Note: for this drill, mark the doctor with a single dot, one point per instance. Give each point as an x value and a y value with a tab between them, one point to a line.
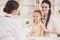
50	21
10	25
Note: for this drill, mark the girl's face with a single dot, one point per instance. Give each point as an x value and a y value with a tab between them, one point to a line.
36	17
45	8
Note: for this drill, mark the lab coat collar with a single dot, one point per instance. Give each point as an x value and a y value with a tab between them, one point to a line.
11	16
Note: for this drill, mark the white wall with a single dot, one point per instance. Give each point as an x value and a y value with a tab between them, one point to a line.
27	6
57	6
2	4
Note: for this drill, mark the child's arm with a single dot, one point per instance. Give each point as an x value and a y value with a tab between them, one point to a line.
41	32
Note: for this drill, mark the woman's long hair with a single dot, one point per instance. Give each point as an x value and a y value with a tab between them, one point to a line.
49	13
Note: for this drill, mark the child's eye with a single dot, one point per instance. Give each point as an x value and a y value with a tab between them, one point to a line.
42	6
45	7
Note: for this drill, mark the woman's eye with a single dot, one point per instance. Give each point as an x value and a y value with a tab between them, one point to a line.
36	16
33	16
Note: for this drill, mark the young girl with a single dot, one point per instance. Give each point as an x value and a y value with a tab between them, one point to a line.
38	27
37	23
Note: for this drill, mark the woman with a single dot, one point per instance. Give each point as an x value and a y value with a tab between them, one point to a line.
10	25
46	8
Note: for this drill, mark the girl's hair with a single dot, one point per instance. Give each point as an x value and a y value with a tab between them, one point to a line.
49	13
10	6
38	11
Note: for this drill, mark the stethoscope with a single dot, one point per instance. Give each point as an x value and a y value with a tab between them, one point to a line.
7	16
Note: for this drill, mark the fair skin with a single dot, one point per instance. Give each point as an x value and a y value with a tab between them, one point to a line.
48	31
14	12
37	21
36	17
45	9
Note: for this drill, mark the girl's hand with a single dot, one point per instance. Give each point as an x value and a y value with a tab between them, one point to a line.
30	33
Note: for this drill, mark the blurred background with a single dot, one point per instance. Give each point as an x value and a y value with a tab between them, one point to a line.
28	6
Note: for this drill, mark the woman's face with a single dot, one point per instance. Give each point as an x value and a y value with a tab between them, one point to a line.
36	17
15	12
45	8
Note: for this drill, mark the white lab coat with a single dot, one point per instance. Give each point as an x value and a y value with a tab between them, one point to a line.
11	28
54	24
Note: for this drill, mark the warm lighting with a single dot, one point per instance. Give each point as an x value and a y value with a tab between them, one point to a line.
18	1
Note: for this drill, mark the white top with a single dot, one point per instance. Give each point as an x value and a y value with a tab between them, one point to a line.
54	24
11	28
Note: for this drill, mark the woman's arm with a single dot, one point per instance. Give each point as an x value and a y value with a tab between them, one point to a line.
48	31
